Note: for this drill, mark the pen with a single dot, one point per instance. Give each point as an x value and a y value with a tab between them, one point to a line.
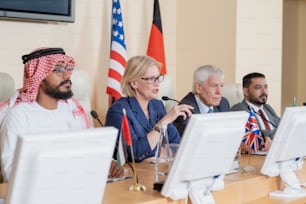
110	180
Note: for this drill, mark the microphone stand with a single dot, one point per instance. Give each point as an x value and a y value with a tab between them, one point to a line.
95	115
166	98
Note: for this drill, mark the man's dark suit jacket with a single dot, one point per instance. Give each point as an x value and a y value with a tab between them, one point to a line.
272	116
189	99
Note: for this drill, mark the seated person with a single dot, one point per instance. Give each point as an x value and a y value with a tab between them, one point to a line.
255	91
146	114
44	104
206	95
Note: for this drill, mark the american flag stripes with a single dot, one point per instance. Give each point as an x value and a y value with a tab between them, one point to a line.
118	55
252	136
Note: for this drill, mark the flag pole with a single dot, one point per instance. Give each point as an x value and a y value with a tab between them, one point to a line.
252	139
127	135
136	186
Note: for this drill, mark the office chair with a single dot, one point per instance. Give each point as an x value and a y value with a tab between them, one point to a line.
7	86
166	88
81	89
233	92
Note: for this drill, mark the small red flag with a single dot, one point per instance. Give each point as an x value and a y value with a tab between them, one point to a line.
126	129
156	41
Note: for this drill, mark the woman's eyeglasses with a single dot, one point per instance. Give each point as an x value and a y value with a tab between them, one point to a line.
153	80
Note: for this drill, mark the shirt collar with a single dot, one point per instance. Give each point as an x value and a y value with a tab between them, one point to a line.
252	106
203	108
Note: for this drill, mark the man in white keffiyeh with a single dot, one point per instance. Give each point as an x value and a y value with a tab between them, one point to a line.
43	104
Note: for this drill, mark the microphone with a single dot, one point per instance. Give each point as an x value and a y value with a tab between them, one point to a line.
166	98
250	108
95	115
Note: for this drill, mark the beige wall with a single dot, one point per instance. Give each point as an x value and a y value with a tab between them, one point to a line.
196	32
206	34
294	61
88	40
240	36
259	43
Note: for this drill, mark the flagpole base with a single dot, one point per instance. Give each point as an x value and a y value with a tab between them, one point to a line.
138	187
159	185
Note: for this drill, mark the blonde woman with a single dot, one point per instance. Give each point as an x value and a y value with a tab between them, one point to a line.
146	114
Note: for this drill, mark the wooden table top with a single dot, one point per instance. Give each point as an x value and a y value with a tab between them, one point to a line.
118	192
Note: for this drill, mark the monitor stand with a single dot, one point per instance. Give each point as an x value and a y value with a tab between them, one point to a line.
198	197
200	190
292	186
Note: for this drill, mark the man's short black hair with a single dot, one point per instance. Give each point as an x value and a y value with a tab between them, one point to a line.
247	79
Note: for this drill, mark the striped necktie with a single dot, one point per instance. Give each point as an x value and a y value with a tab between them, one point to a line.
264	119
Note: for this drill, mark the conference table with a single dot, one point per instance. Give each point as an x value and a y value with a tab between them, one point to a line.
240	187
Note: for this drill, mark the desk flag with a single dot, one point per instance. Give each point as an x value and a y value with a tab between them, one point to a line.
118	55
121	154
126	129
128	139
124	141
252	136
294	102
156	48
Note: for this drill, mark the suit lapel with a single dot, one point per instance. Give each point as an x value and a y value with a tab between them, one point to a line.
271	116
139	114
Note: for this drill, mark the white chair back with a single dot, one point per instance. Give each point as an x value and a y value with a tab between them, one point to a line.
7	86
166	88
233	92
81	84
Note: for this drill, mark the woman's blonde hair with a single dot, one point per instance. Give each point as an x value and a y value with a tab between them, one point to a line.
136	68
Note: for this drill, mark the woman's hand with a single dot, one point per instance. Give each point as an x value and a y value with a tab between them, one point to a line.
183	110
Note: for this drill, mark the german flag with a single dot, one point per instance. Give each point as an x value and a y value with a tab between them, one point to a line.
156	41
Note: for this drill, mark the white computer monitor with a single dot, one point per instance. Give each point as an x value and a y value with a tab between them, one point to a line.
62	167
207	150
287	151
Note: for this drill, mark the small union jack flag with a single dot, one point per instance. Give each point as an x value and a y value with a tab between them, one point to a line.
252	136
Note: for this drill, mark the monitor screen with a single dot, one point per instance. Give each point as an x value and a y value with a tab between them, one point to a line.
208	147
288	142
53	10
62	167
286	153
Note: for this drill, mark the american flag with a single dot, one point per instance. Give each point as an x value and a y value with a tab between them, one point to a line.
118	55
252	136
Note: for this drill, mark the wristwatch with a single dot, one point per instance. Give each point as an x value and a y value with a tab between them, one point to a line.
156	128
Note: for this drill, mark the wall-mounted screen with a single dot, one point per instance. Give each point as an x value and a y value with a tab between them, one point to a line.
49	10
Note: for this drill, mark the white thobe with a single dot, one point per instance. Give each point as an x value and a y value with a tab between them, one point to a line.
26	118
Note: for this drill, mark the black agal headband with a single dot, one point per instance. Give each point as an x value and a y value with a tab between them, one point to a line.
40	53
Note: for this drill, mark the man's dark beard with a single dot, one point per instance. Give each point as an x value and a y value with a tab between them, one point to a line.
56	93
257	102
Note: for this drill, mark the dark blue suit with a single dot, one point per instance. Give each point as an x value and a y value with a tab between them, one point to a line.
189	99
139	125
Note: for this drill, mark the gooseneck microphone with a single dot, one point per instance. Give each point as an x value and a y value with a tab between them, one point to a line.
95	115
250	108
166	98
